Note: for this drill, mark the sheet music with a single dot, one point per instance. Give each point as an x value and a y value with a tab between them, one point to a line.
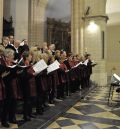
22	43
5	74
23	66
15	61
12	66
57	62
67	71
19	61
39	66
93	63
85	62
54	66
78	64
116	77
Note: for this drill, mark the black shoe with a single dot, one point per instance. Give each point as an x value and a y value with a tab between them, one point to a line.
46	106
39	112
32	116
13	121
51	102
5	124
27	118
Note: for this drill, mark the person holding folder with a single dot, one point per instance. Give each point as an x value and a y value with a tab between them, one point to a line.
9	103
23	79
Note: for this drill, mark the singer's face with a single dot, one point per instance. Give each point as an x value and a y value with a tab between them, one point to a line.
30	57
70	58
11	38
10	59
88	57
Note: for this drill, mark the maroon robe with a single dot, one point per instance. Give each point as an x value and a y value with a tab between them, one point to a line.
62	74
32	87
2	87
53	79
2	92
43	80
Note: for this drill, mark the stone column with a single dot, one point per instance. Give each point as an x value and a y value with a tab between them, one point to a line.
36	21
6	9
77	24
1	20
18	9
21	19
95	37
90	37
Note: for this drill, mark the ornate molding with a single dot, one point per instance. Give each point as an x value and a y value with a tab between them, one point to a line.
96	17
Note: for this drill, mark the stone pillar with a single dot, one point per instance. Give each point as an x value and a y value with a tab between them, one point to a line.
77	24
21	19
90	37
36	21
95	37
18	9
6	9
1	20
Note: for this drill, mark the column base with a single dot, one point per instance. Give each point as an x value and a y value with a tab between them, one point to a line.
100	78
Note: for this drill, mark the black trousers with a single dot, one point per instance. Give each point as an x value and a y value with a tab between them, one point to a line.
51	94
61	90
40	95
1	105
27	106
83	82
9	103
9	109
88	81
26	94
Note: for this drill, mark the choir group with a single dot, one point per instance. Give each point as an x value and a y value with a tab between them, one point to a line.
42	73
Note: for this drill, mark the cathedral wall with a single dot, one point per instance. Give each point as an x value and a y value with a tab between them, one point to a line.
21	19
95	38
18	9
113	50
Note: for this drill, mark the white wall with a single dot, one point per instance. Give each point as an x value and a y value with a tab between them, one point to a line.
93	39
113	49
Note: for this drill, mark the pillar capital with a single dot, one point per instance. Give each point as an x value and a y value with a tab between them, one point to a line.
95	17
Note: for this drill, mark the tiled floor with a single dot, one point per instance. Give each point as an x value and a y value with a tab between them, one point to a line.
91	113
12	126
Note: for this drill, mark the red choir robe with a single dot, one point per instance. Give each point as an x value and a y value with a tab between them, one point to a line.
2	92
2	69
62	74
72	71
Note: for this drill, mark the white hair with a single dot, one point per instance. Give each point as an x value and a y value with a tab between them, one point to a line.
9	53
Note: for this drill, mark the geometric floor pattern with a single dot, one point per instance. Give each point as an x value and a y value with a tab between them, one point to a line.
91	113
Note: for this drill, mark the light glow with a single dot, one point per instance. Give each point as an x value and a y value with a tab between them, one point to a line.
92	27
